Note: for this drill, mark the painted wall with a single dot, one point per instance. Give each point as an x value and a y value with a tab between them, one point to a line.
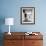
11	8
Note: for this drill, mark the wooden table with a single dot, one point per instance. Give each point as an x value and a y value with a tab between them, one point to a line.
20	39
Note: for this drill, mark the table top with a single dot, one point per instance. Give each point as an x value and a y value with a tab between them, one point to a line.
22	35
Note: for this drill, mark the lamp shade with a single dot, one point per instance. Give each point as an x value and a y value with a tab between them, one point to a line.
9	21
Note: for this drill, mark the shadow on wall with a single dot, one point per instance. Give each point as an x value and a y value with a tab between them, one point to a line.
2	21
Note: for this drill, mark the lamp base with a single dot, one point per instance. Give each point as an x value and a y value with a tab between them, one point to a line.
9	33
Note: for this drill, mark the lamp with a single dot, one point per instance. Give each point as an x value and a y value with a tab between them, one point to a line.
9	21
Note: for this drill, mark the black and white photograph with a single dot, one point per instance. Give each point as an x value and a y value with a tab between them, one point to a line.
27	15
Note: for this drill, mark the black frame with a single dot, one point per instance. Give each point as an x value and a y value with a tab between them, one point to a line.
21	15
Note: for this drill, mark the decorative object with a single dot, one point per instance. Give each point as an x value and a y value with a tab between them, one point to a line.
30	33
27	15
9	21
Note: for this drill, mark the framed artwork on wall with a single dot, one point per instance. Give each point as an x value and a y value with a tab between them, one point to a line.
27	15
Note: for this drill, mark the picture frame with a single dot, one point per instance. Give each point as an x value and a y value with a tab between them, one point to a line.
27	15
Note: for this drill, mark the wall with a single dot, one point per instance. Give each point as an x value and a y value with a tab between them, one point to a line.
11	8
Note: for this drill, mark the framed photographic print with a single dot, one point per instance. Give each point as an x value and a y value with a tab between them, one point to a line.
27	15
